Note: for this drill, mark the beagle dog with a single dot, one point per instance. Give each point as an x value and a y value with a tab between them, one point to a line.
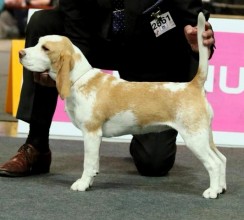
101	105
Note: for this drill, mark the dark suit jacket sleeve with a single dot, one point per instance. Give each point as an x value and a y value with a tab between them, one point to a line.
77	20
189	10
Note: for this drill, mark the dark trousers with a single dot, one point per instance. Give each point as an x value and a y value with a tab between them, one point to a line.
37	103
153	154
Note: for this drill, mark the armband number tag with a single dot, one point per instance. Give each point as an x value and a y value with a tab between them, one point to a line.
162	23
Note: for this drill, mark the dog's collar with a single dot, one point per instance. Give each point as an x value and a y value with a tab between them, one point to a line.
80	76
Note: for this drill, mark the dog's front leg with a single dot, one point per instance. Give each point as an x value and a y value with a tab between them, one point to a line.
92	143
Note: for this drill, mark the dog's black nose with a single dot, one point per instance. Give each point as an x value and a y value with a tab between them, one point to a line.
21	54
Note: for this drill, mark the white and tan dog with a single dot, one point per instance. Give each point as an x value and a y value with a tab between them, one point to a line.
101	105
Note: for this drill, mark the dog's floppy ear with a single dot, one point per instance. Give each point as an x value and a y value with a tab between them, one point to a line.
66	64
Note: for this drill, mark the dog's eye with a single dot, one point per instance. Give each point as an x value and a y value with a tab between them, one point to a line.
45	48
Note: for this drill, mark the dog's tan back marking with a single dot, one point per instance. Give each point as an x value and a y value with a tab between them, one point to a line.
113	97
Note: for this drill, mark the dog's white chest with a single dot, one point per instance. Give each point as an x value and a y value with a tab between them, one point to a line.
79	108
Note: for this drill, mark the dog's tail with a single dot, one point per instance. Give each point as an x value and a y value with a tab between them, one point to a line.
202	72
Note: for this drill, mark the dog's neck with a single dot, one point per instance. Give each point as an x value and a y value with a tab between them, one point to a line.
81	67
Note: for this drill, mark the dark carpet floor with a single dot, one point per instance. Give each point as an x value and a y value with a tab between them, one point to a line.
118	191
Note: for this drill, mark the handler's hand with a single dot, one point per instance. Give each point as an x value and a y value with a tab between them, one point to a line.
44	79
40	2
191	36
14	3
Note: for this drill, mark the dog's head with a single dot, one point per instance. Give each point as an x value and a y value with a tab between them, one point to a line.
54	54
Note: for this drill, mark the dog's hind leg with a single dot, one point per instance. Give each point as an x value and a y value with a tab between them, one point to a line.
198	142
92	143
222	165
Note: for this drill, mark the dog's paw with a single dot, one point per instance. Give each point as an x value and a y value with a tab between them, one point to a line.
210	193
80	185
222	189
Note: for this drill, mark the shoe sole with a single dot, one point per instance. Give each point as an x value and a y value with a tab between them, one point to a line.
9	174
